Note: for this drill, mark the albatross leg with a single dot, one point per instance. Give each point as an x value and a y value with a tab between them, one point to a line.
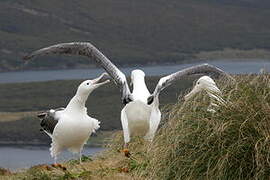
126	150
80	154
55	165
55	159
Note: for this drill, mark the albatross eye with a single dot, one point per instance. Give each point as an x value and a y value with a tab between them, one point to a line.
87	83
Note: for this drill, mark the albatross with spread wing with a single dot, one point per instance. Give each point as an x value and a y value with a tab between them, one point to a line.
141	114
70	127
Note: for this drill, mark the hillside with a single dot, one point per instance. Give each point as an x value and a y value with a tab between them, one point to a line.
193	143
131	32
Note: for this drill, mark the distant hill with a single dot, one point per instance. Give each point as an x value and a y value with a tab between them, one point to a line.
130	32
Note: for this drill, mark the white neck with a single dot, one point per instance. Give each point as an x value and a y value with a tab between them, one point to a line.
155	103
140	91
77	103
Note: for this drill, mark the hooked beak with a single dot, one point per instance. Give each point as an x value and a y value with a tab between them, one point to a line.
211	90
214	89
215	93
104	78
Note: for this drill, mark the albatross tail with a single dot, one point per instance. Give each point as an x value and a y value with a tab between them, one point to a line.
55	150
95	124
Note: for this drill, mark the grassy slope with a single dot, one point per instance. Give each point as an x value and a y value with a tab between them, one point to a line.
103	104
232	143
130	32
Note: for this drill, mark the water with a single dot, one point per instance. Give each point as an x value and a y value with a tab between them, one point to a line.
230	66
17	157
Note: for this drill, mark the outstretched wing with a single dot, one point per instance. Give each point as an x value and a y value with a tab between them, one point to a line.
88	50
204	69
49	120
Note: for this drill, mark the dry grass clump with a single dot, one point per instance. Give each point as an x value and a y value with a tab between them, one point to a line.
138	159
233	143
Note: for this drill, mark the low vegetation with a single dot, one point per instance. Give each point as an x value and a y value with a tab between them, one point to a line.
232	143
192	143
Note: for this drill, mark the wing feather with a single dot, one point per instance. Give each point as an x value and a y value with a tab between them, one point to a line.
49	120
90	51
203	69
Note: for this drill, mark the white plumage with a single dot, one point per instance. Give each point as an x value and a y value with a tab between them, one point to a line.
72	126
137	117
205	83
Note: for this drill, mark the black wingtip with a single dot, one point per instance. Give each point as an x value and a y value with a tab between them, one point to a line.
27	57
41	115
127	100
150	100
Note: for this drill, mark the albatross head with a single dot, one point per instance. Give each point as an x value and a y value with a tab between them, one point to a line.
87	86
204	83
136	74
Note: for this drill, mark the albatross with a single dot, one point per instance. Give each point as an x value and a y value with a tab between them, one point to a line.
70	127
207	84
140	114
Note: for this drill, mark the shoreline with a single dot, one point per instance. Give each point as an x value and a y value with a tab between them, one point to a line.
221	55
34	144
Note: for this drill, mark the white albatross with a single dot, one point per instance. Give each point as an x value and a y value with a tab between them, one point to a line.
205	83
141	114
70	127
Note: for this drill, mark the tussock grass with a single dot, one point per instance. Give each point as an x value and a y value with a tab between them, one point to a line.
232	143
